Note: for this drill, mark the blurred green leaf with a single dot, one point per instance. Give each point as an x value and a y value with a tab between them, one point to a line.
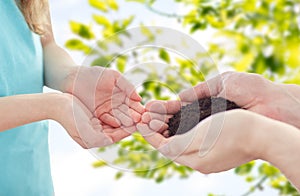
113	4
99	164
147	32
99	4
118	175
121	63
164	55
103	61
82	30
76	44
127	21
138	1
101	20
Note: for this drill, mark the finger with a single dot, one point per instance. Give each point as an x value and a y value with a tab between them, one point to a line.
158	141
96	123
103	108
172	147
155	139
129	112
136	117
128	88
130	129
117	99
148	116
158	126
164	107
109	129
110	120
166	133
92	139
101	140
202	90
136	105
123	118
117	134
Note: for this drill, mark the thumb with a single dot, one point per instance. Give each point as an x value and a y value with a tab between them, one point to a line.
124	85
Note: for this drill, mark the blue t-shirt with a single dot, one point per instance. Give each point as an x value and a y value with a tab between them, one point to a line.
24	153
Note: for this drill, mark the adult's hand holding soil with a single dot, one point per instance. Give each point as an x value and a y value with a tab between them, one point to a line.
252	92
174	120
233	145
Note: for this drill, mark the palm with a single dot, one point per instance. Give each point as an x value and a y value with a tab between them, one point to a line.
110	97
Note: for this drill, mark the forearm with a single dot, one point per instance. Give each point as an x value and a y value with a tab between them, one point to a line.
283	150
58	67
23	109
57	62
288	104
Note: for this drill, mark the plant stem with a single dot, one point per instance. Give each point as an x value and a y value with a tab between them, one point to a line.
173	15
258	185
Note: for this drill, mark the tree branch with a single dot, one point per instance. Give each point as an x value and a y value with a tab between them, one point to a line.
257	186
173	15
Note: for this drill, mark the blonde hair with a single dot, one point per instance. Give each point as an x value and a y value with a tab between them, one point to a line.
35	13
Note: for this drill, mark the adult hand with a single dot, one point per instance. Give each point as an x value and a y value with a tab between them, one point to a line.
222	142
216	144
249	91
252	92
109	96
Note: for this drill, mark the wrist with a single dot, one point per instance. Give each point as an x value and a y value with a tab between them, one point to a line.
259	142
69	81
59	103
283	151
250	139
289	104
274	139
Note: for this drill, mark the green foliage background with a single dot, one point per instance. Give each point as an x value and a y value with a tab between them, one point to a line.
259	36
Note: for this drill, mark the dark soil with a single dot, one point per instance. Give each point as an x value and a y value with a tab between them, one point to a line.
190	115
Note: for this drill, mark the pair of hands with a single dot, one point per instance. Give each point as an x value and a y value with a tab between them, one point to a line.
225	140
110	110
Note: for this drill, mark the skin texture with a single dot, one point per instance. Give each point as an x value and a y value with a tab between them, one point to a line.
222	141
249	91
252	92
107	95
98	106
218	143
64	109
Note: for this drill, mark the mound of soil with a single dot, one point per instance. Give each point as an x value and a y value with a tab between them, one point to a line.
190	115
